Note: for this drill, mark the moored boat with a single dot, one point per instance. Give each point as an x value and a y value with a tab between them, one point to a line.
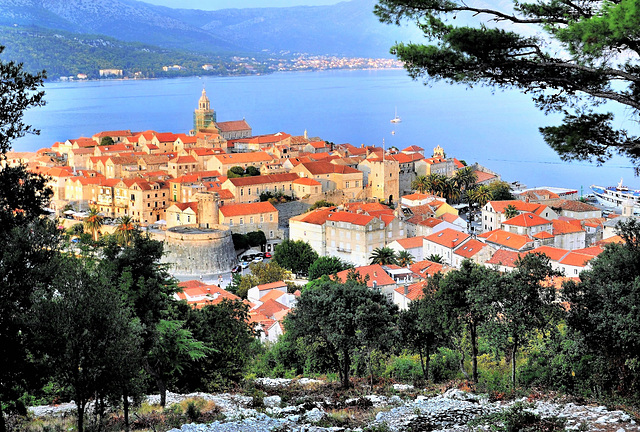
617	196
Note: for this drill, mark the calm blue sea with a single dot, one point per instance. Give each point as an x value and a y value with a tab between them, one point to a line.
497	129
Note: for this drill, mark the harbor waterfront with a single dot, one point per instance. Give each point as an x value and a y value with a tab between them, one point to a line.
497	129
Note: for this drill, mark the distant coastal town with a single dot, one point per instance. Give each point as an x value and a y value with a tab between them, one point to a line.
221	197
241	66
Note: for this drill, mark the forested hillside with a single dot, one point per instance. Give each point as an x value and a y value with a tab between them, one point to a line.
63	53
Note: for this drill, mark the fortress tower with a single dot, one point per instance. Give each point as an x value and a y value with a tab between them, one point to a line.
204	117
208	213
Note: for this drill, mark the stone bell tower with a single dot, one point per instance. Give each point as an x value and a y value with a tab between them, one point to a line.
203	117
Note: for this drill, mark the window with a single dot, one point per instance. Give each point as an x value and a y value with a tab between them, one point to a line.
389	234
346	184
357	236
241	221
188	218
250	219
230	222
271	234
241	191
249	191
261	218
333	243
271	217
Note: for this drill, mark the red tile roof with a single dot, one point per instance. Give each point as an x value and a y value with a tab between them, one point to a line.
576	259
315	217
321	167
554	254
306	181
562	227
230	210
376	274
231	126
239	158
411	242
272	285
526	220
352	218
416	291
504	258
448	238
470	248
506	239
426	267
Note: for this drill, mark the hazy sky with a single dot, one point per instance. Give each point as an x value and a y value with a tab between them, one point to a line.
228	4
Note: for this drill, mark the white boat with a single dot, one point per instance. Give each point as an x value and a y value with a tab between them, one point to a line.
617	196
396	119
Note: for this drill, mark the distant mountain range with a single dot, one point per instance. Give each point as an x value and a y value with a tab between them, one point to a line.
345	29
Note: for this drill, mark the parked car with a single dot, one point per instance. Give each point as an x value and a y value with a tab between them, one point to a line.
267	254
236	269
244	264
258	259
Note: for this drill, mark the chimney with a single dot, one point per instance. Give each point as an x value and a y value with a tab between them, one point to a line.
406	290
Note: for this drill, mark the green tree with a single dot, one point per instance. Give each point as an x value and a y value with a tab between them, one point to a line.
295	255
261	273
327	265
421	184
465	178
321	203
571	57
466	294
224	329
28	243
500	191
423	326
510	211
125	230
19	92
479	195
257	238
340	318
106	141
604	309
80	329
148	290
251	171
234	172
435	258
404	258
93	223
240	241
522	304
384	255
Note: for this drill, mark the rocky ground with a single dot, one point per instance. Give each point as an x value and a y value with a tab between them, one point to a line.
404	411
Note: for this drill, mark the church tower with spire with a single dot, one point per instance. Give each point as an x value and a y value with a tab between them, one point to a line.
203	117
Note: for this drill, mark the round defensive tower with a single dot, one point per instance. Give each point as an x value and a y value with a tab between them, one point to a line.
202	249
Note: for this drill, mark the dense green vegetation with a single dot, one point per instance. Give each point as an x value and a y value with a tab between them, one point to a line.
64	54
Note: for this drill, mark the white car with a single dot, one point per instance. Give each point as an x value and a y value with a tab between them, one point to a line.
258	259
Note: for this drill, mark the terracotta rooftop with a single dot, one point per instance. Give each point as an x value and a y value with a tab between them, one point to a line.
411	242
504	258
376	274
506	239
526	220
448	238
416	291
232	126
321	167
230	210
470	248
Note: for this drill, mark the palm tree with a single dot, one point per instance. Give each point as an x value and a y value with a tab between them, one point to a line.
480	195
465	177
405	258
421	184
435	258
510	211
452	190
383	256
125	229
93	223
438	184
